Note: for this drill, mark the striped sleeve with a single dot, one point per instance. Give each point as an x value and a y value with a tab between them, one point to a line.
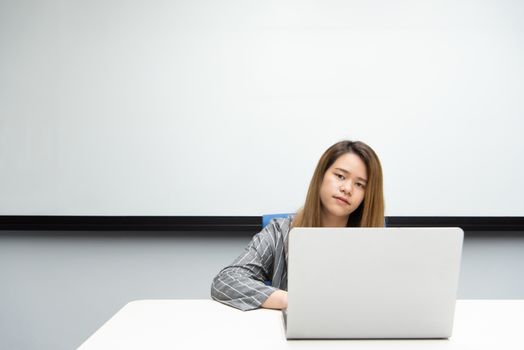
241	284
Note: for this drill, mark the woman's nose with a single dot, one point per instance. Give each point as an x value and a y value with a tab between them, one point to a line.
347	187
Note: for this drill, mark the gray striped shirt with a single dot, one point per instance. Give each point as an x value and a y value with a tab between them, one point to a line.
241	284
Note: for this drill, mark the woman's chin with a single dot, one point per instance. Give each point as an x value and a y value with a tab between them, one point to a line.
339	212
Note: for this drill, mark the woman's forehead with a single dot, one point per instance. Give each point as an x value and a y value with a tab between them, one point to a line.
351	163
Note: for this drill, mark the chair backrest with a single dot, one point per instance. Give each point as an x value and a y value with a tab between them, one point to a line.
267	218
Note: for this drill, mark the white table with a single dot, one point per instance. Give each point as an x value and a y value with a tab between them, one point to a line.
206	324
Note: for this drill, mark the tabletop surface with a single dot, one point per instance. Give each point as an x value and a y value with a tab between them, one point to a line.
200	324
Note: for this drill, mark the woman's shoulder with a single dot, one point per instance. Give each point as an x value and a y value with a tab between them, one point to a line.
279	227
281	223
277	230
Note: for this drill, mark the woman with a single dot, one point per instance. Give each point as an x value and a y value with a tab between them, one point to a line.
345	191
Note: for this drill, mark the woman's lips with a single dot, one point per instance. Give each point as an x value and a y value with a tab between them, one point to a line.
341	200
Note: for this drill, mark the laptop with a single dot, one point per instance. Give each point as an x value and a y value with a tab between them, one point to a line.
369	283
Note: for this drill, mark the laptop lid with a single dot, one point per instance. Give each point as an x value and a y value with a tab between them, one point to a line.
372	282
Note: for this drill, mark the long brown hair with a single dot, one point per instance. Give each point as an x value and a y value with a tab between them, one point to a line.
370	213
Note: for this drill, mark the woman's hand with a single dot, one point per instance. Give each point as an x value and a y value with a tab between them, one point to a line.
277	300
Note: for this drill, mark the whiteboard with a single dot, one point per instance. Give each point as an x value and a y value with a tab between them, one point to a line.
224	107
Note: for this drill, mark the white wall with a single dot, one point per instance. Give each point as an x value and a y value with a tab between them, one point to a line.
223	107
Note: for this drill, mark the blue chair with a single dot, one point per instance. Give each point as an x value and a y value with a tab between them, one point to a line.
267	218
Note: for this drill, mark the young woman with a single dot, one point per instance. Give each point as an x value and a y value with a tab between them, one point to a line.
346	190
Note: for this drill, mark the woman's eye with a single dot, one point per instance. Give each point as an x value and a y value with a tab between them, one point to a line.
341	177
361	185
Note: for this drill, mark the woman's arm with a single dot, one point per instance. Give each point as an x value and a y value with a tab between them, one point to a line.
277	300
241	284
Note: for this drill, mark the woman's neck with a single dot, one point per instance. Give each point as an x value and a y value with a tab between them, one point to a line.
333	221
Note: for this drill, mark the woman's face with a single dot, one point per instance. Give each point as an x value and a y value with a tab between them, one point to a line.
342	189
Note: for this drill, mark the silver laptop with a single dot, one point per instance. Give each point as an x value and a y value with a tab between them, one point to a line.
372	282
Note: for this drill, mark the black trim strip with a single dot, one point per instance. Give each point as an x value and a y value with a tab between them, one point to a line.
230	223
131	223
467	223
